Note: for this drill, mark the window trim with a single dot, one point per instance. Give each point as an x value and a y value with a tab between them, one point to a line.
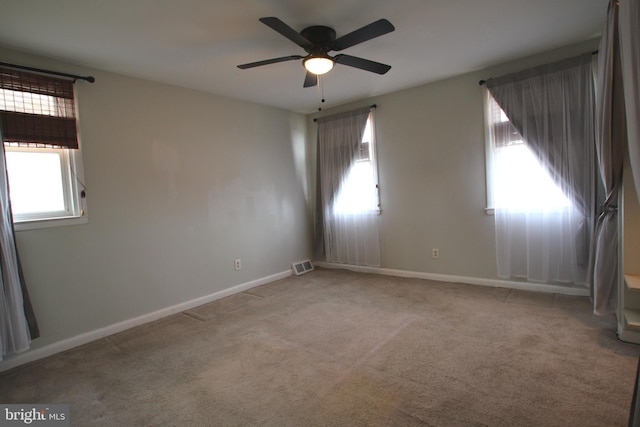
373	158
488	154
492	124
50	223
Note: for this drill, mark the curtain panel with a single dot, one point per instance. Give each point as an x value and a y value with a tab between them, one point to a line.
618	128
340	236
552	110
338	138
18	324
629	34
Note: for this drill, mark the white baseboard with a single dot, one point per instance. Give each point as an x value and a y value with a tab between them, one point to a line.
527	286
626	333
69	343
629	336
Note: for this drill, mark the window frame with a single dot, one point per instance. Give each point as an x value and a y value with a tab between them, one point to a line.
40	128
372	159
72	190
488	152
490	124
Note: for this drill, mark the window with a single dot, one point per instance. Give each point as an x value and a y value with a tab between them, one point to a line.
359	191
515	178
41	149
541	177
347	194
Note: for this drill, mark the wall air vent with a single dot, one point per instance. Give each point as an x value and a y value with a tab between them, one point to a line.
301	267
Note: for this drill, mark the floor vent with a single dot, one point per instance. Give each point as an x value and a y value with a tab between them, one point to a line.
301	267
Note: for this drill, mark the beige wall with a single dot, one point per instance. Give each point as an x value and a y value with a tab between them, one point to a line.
432	172
179	184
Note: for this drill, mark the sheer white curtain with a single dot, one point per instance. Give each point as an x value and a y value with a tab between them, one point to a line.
544	181
347	191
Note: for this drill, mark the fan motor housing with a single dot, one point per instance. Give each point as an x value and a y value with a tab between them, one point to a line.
321	38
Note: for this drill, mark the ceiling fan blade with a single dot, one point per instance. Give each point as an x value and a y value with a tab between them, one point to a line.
269	61
363	64
279	26
310	80
368	32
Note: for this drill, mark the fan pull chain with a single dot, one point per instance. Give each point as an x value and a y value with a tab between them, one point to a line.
320	91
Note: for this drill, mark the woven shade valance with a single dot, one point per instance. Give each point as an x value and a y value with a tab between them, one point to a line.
36	110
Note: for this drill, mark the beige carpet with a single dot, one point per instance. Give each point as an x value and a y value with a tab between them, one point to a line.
336	348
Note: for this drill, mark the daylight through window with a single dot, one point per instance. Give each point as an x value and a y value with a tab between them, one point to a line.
358	192
516	179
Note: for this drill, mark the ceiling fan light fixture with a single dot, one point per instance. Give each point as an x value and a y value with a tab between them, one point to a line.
318	64
318	40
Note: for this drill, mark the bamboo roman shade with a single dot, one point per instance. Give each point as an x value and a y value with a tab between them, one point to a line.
37	111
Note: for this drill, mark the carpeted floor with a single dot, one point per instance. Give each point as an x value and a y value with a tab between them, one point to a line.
336	348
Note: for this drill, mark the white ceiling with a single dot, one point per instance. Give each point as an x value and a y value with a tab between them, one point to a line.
197	44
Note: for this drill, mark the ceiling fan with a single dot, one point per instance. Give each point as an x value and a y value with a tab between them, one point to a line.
319	40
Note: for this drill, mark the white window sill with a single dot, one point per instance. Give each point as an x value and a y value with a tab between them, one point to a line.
50	223
489	211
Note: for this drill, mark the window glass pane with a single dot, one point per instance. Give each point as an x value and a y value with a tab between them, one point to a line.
358	192
366	135
36	181
519	181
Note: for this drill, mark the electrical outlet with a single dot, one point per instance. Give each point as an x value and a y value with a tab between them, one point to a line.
237	264
435	253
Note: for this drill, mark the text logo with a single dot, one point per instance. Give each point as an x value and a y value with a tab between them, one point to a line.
40	415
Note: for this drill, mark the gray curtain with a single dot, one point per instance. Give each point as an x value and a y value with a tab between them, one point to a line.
610	142
339	137
18	325
629	36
